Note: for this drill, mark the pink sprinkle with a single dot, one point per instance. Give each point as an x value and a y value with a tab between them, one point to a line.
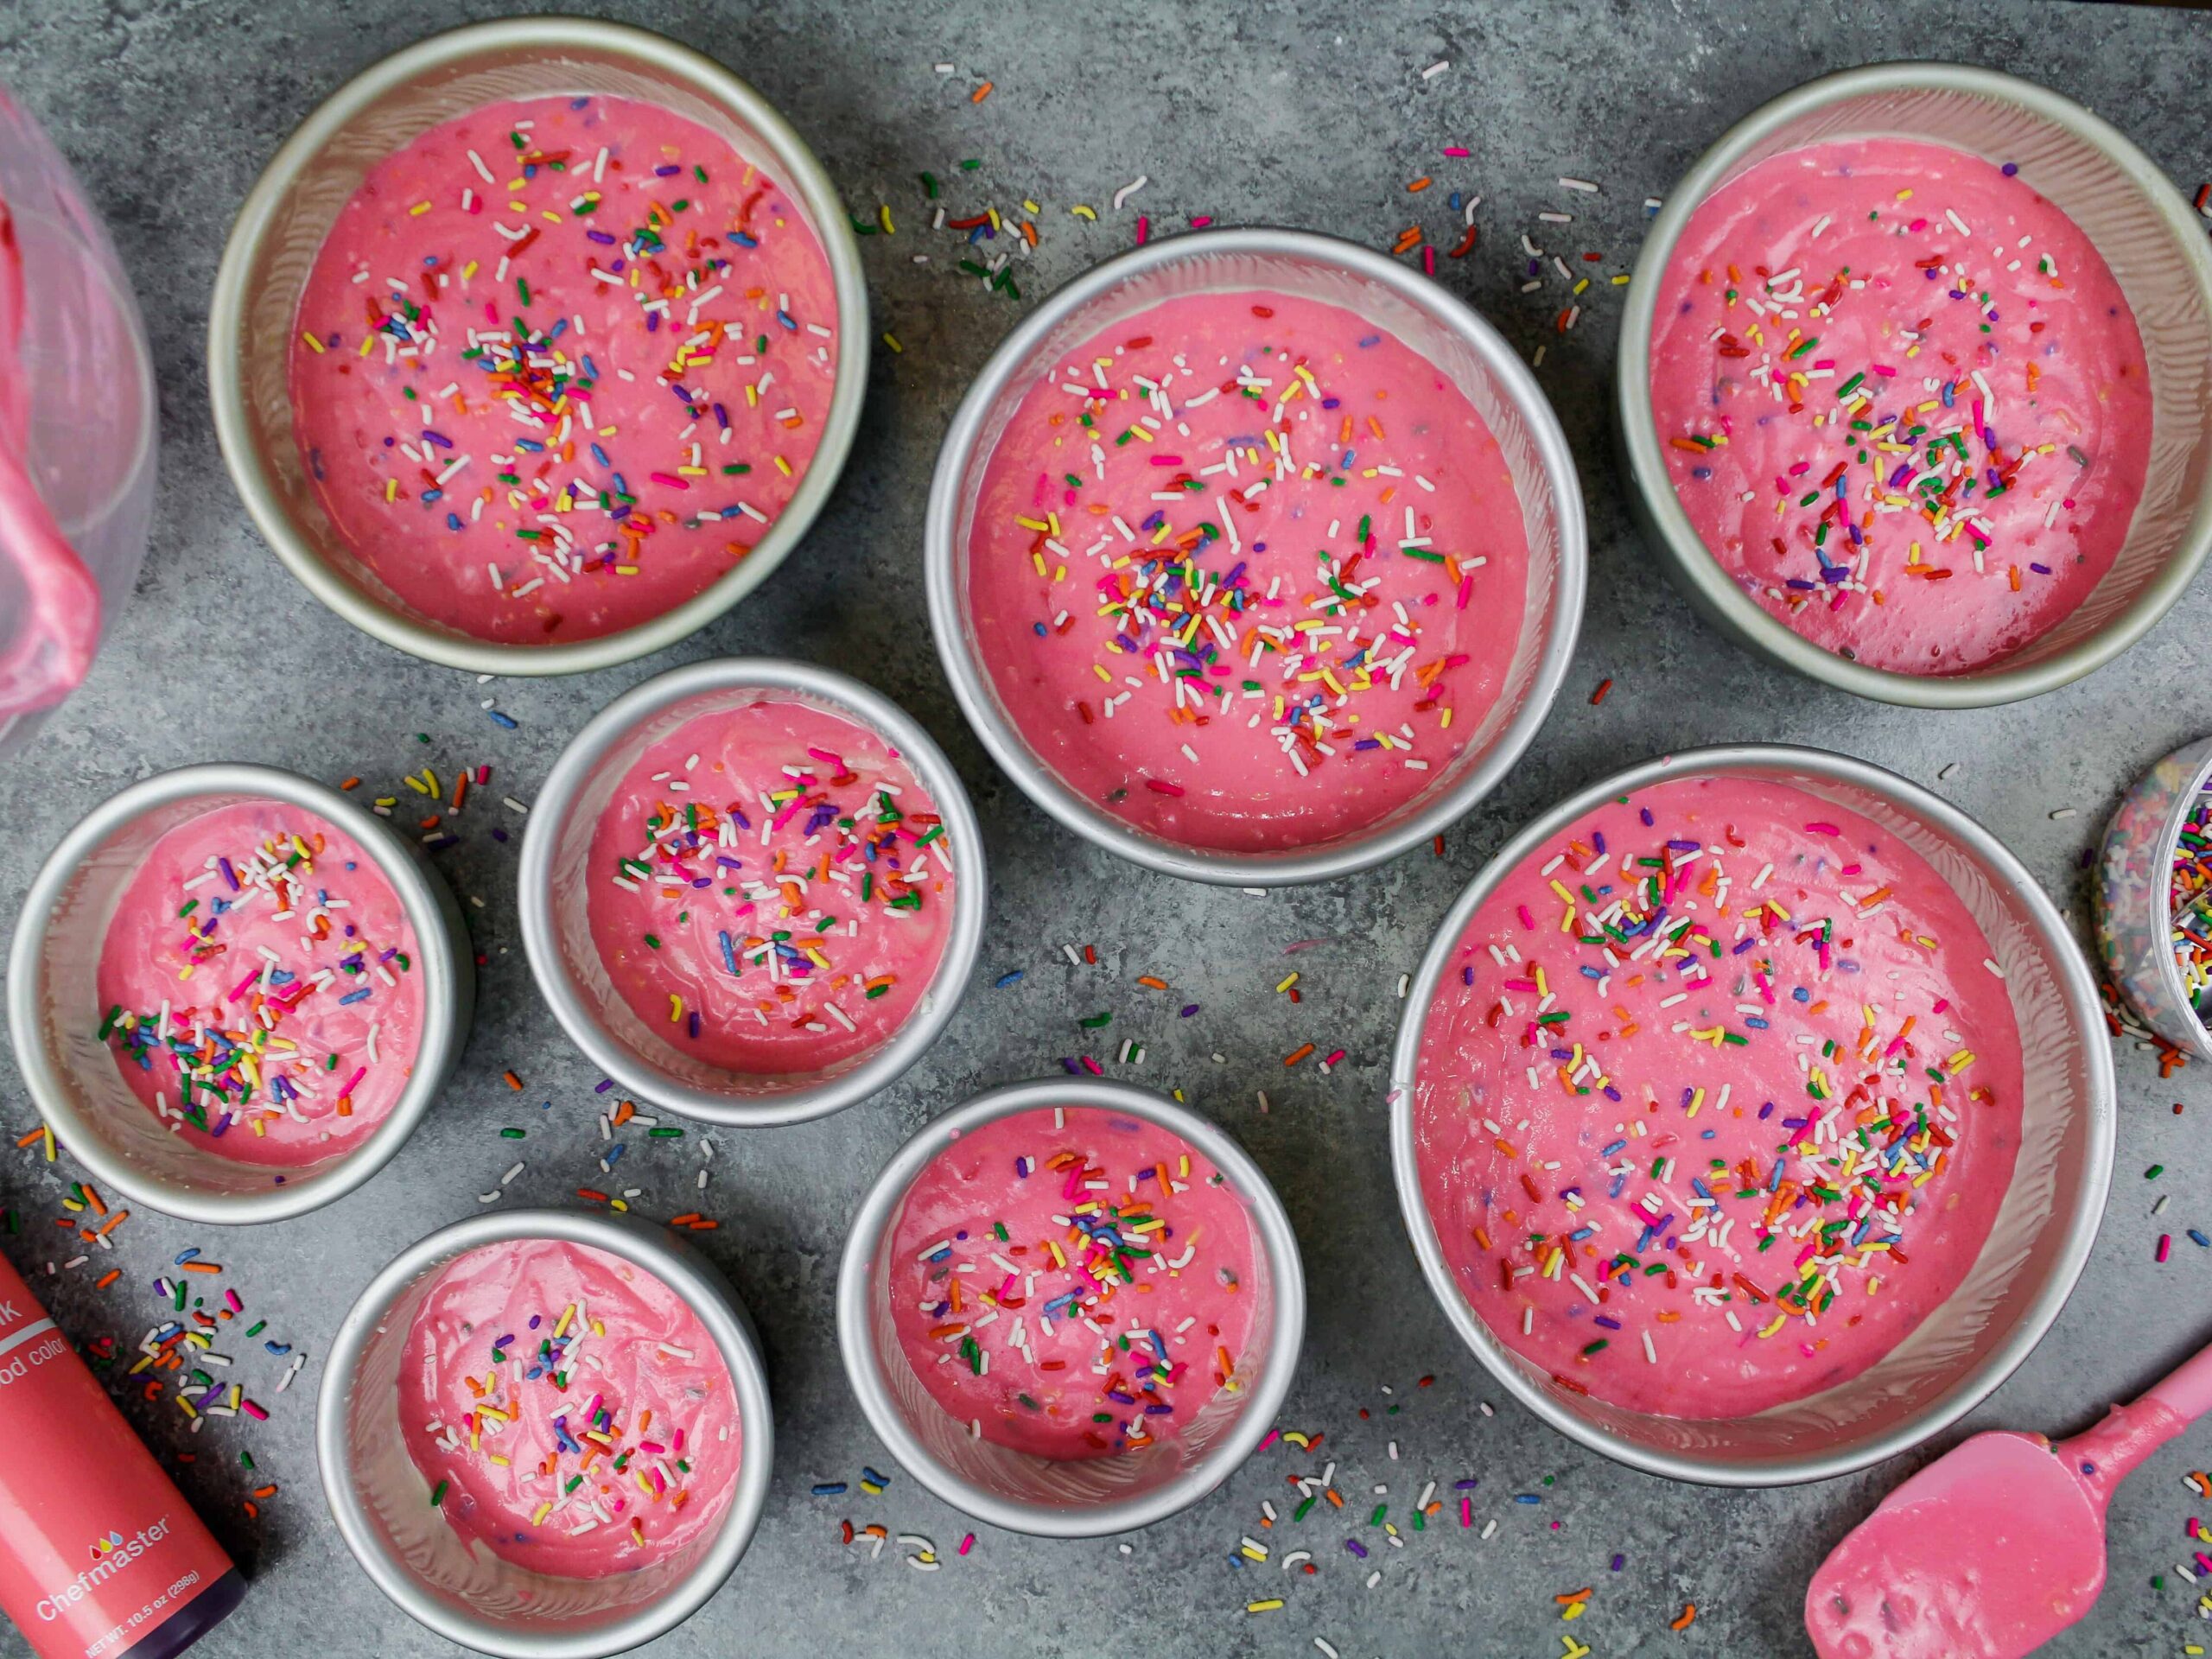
1199	222
668	479
1466	1512
1144	230
1823	830
1527	922
828	759
1093	1067
1466	591
1428	259
1158	787
1457	150
967	1544
253	1411
1334	1058
2165	1243
231	1300
359	1071
239	989
1274	1434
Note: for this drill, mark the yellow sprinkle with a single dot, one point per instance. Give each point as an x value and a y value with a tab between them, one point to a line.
1267	1606
891	340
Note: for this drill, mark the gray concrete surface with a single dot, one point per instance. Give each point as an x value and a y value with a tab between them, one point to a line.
1311	114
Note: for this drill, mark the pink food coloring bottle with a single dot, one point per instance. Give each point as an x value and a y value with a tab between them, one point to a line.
100	1556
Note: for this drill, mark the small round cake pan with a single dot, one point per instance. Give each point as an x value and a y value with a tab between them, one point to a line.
54	1011
556	912
1428	320
2155	246
2135	895
297	199
382	1503
2037	1246
1089	1497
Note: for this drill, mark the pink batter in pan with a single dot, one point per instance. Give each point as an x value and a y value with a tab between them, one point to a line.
1905	404
560	363
1247	571
771	888
1719	1099
570	1412
1074	1281
257	986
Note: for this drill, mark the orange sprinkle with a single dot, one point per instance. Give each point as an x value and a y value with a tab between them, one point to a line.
109	1277
201	1267
981	93
513	1082
1156	984
1688	1617
1294	1059
1420	184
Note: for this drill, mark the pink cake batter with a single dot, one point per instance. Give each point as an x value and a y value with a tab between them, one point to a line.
569	1411
257	986
1677	1098
1247	571
560	364
1904	402
1075	1281
772	889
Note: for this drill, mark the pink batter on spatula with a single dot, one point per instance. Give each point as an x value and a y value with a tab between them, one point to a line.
1718	1100
569	1411
772	889
258	986
1247	571
1999	1545
560	363
1074	1281
1903	401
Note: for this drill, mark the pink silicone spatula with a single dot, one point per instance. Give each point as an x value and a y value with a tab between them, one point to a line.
1991	1551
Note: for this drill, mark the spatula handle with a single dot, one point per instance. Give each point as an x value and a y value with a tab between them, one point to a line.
2187	1392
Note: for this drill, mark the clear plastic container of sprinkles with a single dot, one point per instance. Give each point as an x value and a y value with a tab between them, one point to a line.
2154	899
